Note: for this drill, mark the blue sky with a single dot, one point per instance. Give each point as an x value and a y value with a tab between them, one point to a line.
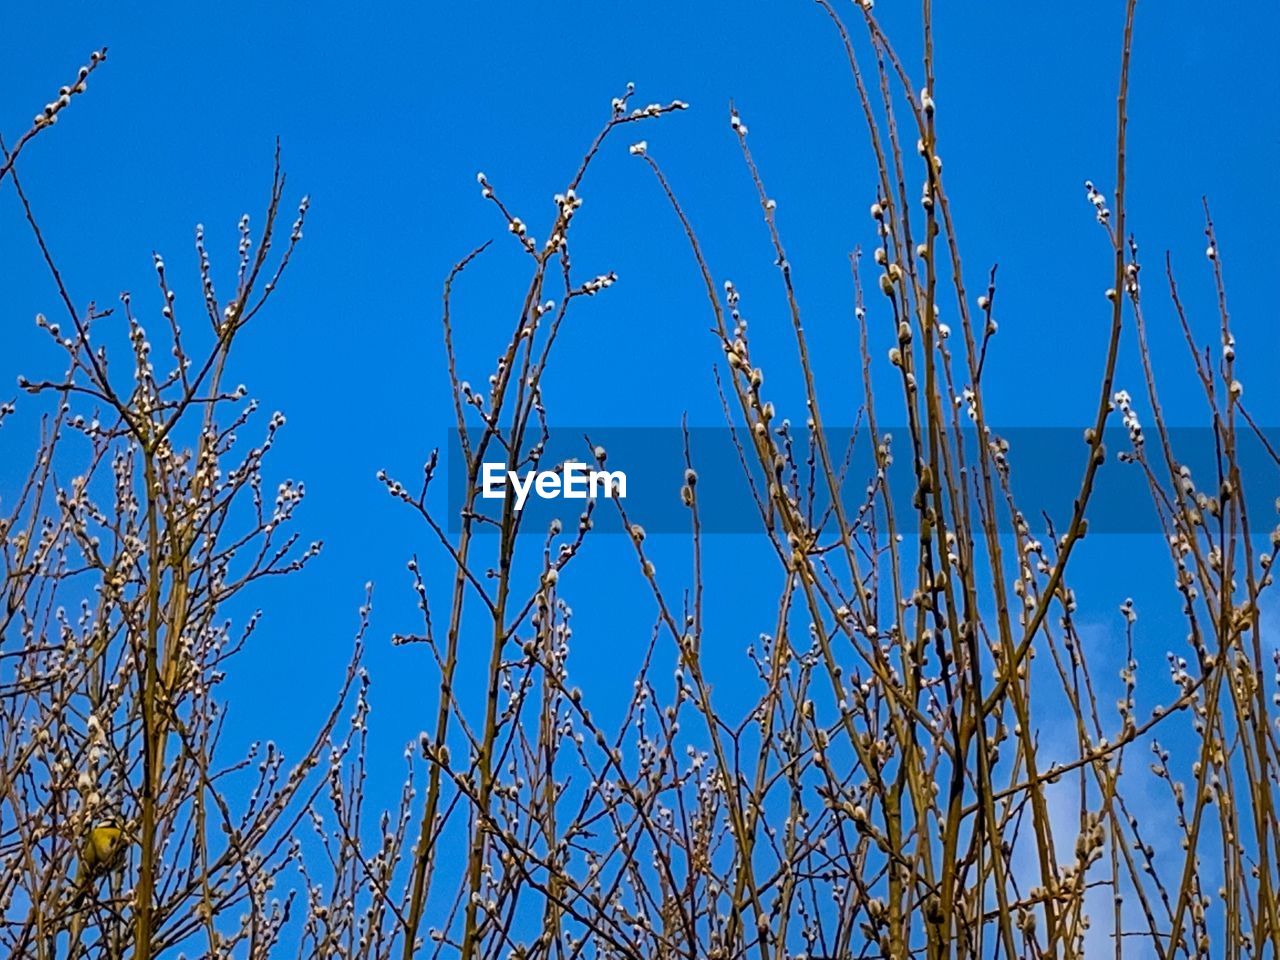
386	114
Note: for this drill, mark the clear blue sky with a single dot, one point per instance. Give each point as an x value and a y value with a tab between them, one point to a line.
386	112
